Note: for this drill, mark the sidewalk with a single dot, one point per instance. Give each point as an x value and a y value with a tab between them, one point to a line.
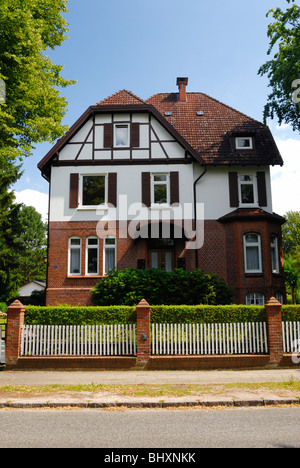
211	388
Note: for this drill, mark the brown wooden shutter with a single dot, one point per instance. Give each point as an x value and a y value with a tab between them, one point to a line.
112	188
135	135
108	136
174	187
146	189
233	189
261	188
74	184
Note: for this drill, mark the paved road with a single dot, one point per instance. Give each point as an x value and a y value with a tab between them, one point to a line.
255	427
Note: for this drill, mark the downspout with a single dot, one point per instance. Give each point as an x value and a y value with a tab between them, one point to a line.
195	210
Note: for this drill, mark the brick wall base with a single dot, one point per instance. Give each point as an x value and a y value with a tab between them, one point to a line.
154	363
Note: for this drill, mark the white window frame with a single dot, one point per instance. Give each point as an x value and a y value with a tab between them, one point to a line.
252	182
113	247
250	147
121	125
274	247
70	248
253	244
154	183
87	248
255	299
92	207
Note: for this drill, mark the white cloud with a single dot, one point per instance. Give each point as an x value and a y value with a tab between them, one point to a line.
286	179
36	199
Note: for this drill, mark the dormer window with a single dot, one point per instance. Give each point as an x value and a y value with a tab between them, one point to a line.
243	143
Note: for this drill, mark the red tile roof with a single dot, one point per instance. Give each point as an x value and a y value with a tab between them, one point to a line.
212	133
121	98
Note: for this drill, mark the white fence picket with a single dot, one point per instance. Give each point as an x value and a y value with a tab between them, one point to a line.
83	340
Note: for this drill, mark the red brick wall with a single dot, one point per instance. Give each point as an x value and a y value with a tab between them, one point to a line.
222	253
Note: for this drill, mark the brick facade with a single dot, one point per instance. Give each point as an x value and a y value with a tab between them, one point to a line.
222	253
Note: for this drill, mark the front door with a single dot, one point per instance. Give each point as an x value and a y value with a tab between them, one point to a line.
162	259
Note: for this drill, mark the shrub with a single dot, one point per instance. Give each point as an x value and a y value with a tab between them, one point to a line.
129	286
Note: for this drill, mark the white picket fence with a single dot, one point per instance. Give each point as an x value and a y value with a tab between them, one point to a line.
291	336
82	340
209	338
2	347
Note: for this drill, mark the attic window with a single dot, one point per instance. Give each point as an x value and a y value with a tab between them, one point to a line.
243	143
168	114
122	135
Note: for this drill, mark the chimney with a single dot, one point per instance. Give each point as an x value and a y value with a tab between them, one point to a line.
182	84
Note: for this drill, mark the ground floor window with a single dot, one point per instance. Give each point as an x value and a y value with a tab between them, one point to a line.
92	256
75	256
255	299
110	257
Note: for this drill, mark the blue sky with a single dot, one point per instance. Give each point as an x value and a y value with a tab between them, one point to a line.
143	46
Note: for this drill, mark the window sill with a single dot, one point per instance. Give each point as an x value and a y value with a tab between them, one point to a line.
84	276
254	274
93	208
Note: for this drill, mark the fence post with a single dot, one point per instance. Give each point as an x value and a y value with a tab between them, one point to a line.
143	332
274	319
15	321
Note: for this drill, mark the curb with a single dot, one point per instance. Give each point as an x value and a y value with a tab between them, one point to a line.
144	405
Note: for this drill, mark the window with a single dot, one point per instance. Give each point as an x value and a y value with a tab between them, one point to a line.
252	252
75	256
92	256
255	299
160	188
243	143
109	254
279	297
274	254
121	135
246	184
93	190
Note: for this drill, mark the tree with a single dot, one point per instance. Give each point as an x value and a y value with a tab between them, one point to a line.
9	229
31	244
34	109
283	70
291	232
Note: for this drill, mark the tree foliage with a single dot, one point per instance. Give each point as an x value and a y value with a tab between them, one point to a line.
291	248
31	244
283	70
34	109
129	286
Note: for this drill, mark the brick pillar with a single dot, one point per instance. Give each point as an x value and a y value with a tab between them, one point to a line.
143	332
15	321
274	320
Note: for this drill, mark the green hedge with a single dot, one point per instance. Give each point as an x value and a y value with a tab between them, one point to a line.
129	286
69	315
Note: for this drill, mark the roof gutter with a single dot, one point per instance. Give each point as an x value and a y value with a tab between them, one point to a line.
195	210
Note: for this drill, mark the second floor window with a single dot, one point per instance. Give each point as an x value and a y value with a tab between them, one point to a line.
246	183
160	188
93	190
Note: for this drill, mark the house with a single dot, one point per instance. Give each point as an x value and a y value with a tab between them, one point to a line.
27	289
179	180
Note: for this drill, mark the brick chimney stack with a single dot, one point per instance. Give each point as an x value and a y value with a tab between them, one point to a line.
182	84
